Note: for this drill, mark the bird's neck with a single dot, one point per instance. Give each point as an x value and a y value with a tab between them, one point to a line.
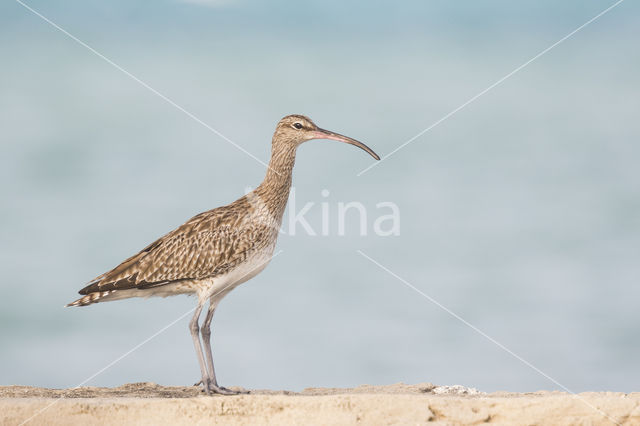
274	189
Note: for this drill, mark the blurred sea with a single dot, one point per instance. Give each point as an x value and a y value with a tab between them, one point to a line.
520	213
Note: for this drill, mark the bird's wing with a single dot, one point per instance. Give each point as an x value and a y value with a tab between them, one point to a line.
207	245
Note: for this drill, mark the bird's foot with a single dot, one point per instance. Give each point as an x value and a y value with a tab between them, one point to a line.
225	391
213	388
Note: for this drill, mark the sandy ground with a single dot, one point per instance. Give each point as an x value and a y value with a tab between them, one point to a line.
151	404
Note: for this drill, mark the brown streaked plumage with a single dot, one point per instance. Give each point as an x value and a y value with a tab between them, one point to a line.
217	250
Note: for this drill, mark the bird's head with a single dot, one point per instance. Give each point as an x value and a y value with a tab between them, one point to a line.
296	129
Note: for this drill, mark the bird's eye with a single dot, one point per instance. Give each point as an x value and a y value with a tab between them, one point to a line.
297	125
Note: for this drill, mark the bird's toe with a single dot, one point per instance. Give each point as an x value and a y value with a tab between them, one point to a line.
226	391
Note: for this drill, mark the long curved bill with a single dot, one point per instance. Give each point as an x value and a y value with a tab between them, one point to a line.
326	134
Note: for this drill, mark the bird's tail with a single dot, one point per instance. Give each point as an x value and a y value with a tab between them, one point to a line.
90	298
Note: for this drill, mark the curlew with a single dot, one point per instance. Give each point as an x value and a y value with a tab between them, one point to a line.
215	251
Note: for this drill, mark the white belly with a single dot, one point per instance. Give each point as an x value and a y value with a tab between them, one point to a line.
218	287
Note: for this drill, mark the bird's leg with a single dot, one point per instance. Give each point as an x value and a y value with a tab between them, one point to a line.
194	328
206	341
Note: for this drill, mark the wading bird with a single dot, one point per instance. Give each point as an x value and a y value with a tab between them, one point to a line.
217	250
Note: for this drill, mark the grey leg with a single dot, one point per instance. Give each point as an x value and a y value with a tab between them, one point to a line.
206	340
194	328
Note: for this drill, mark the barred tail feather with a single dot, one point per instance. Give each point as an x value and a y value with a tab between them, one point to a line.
91	298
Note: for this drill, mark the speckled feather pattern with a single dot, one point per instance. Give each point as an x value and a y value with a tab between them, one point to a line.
209	245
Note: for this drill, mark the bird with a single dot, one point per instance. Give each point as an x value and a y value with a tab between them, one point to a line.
217	250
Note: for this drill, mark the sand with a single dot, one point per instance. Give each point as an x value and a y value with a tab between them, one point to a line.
151	404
